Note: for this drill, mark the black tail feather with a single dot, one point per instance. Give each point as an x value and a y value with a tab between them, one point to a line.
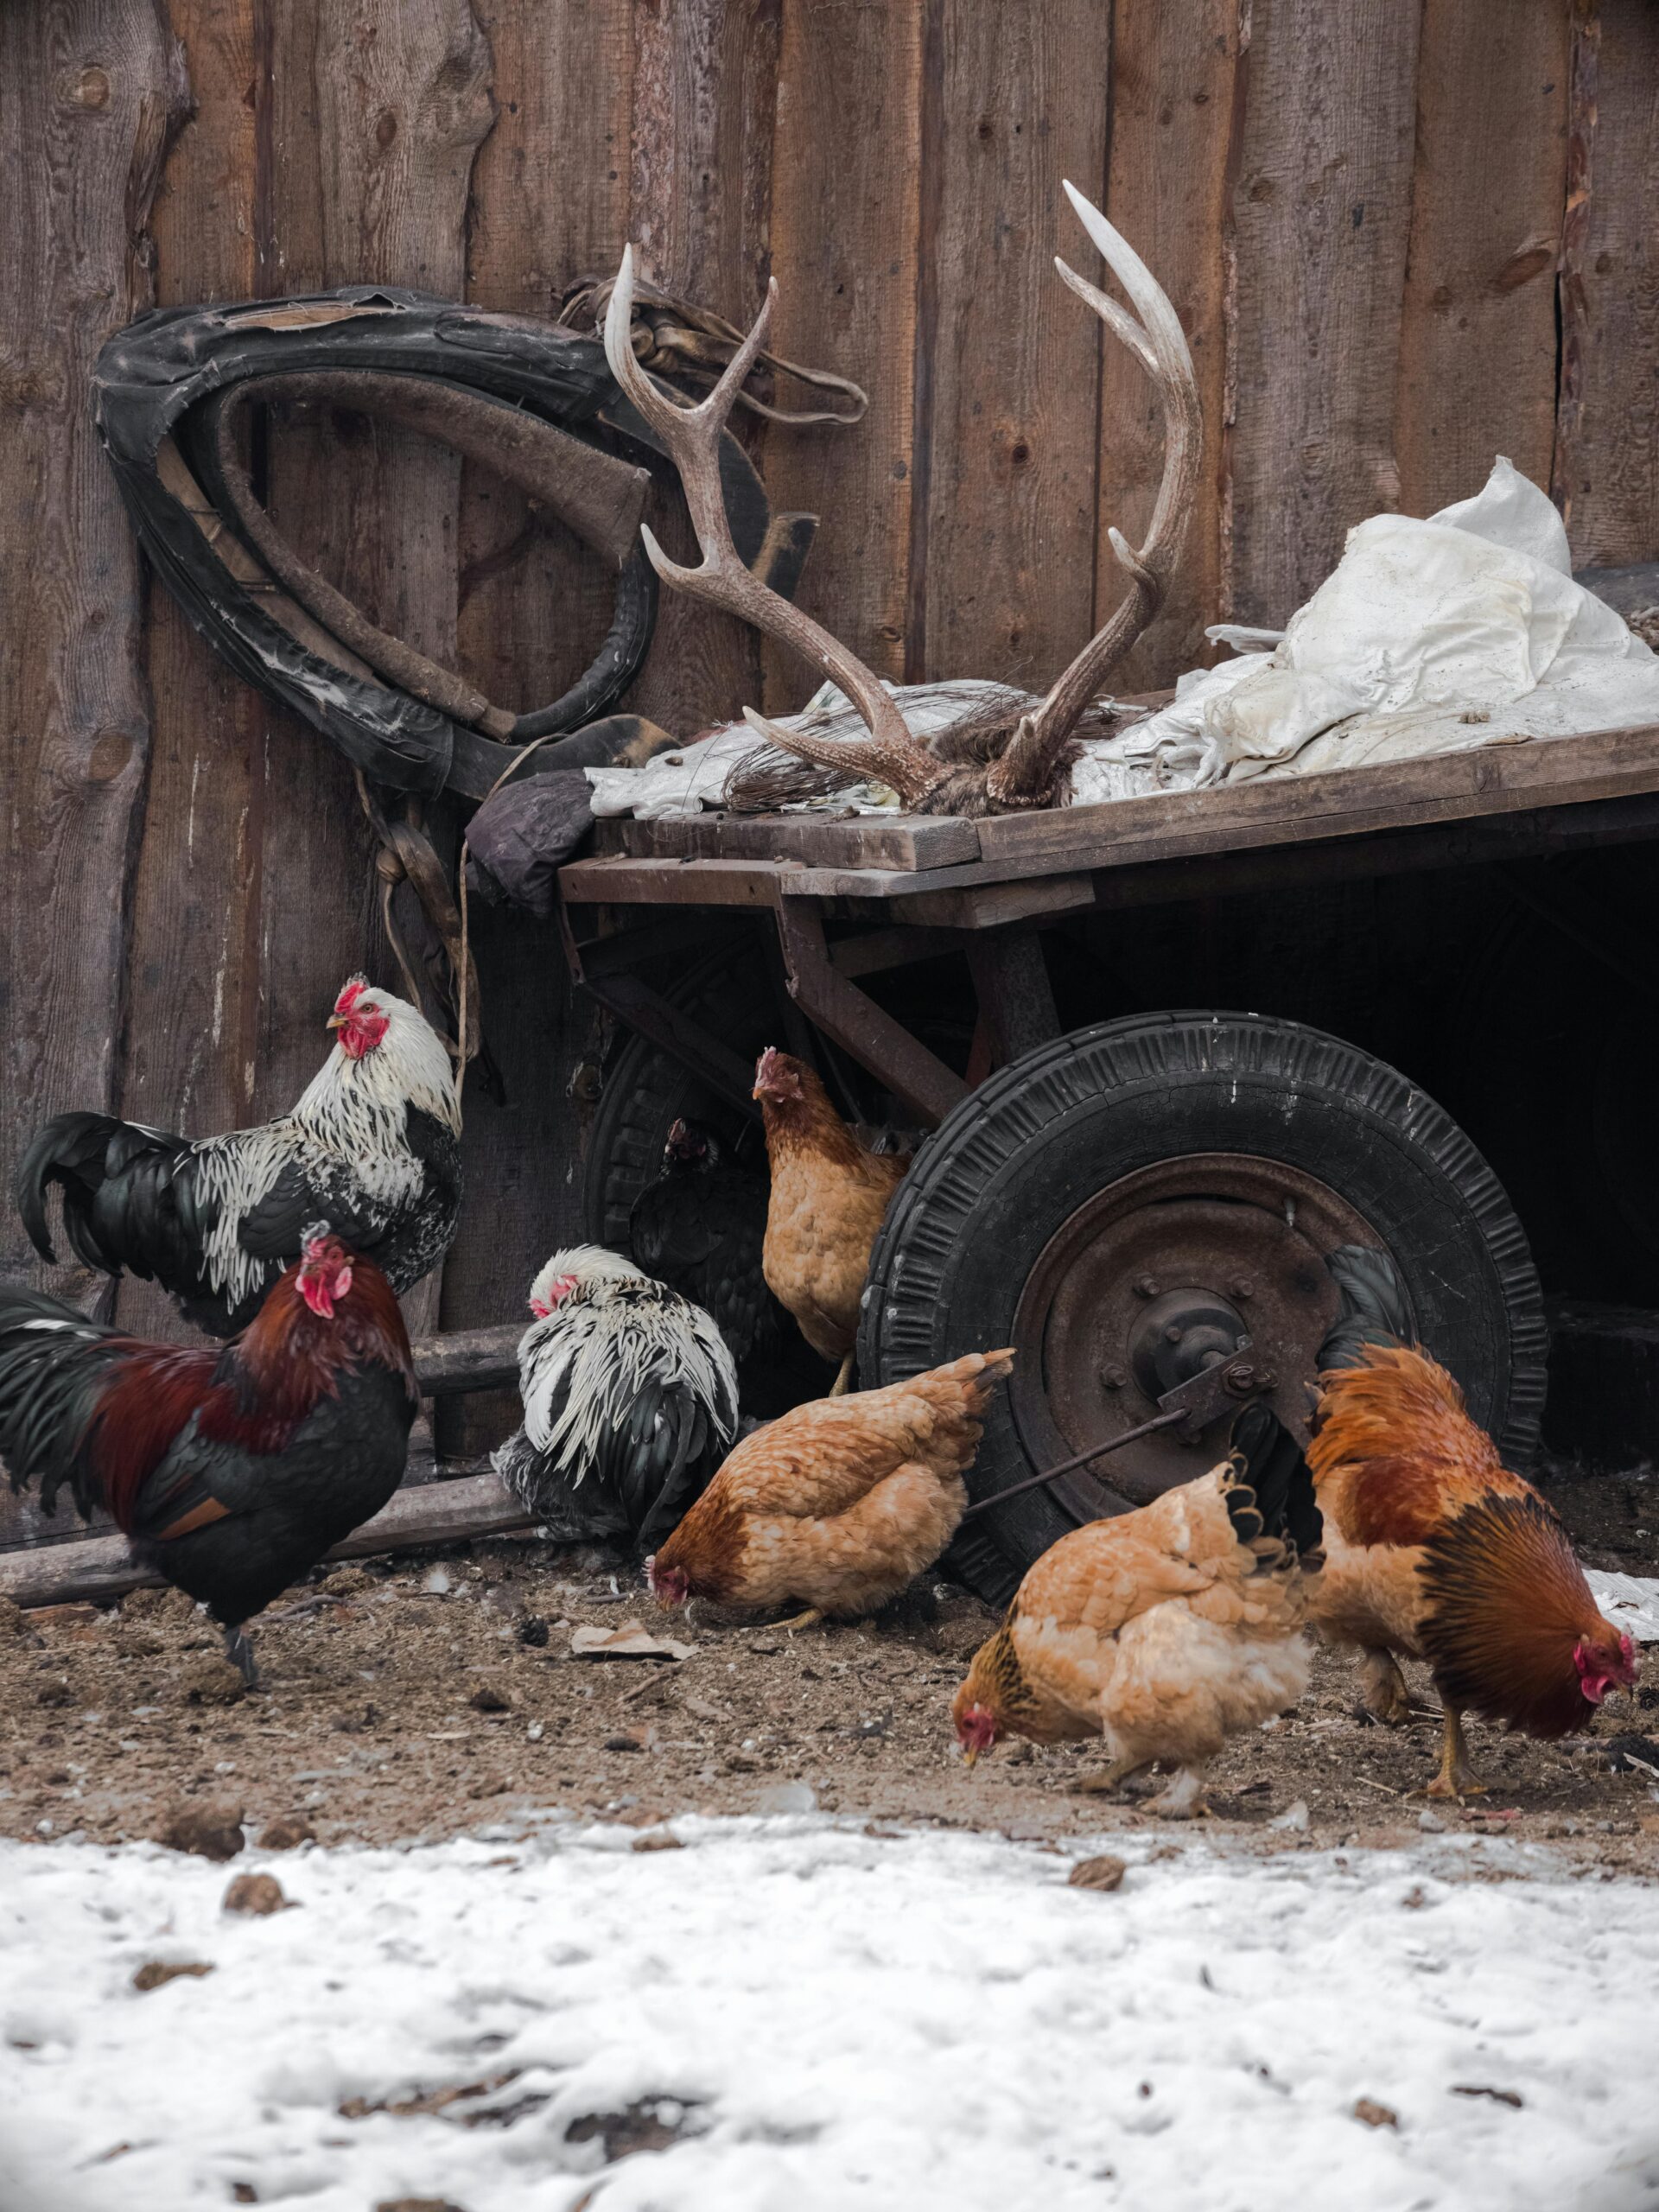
1374	1309
1279	1500
53	1365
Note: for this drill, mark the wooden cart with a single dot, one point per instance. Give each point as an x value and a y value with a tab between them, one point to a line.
1135	1201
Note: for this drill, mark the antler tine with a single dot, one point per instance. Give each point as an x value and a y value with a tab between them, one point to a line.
1158	342
692	435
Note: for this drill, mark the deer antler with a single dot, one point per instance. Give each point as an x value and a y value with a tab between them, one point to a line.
691	436
1024	774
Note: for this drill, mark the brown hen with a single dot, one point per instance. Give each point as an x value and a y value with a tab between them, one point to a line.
838	1504
1165	1630
830	1195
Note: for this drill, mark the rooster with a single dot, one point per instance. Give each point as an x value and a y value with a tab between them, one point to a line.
837	1504
231	1471
1165	1630
629	1401
1435	1550
830	1196
374	1144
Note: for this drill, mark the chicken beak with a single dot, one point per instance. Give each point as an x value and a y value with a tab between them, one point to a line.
335	1022
970	1757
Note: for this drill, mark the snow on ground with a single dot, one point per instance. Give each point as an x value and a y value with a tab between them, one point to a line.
830	2018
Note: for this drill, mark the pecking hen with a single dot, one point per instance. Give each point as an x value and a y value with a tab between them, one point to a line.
830	1196
1165	1630
629	1401
838	1504
373	1145
231	1470
1434	1550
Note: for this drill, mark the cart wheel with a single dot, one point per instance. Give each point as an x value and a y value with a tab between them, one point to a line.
1120	1201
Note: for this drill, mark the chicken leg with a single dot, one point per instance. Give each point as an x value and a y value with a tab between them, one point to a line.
843	1379
1456	1779
239	1652
1383	1690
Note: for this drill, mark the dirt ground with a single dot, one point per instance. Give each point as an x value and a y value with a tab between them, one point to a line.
417	1696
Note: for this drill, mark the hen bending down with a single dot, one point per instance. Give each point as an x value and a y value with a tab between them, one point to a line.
630	1400
1434	1550
373	1145
1165	1630
232	1471
830	1196
838	1504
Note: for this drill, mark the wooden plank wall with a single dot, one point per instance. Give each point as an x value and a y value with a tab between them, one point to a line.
1402	238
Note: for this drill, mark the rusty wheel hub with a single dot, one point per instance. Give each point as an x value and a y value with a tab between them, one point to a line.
1211	1259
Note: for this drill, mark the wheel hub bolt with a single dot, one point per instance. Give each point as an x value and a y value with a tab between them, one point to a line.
1242	1287
1173	1333
1147	1287
1240	1378
1113	1378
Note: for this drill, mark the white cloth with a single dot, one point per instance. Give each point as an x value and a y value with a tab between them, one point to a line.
1427	637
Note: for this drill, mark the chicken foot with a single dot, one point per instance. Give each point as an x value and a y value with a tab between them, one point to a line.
1094	1785
1184	1798
810	1618
1456	1779
1383	1690
239	1652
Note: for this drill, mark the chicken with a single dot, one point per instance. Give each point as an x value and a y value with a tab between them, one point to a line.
374	1145
231	1470
838	1504
1164	1631
699	1227
830	1196
1434	1550
629	1401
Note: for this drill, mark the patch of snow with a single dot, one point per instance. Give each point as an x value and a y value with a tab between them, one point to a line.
829	2019
1630	1601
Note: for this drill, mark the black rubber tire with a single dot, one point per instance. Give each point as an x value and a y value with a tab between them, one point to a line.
1019	1154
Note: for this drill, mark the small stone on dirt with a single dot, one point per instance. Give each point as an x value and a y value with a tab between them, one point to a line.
1372	2114
623	1744
156	1973
211	1829
1430	1824
491	1697
659	1839
208	1679
54	1695
258	1894
1104	1872
286	1832
534	1631
787	1797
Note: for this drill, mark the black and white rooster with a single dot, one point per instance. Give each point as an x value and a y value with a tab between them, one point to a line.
630	1401
374	1147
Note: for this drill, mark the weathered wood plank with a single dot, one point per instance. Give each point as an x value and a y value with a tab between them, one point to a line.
872	840
1175	77
372	114
1486	204
705	94
193	968
1320	216
1008	589
549	200
847	239
90	90
1607	449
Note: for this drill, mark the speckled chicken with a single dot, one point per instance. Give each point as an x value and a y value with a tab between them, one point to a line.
839	1504
1165	1630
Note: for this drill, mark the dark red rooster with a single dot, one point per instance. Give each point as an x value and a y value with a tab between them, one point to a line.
373	1145
231	1471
